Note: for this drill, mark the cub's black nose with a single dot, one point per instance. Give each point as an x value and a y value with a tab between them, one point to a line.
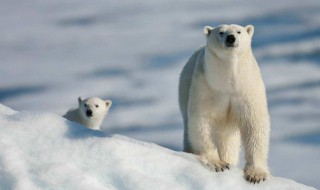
230	39
89	113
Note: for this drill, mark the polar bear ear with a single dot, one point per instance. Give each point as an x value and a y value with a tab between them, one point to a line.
250	30
207	30
79	99
108	103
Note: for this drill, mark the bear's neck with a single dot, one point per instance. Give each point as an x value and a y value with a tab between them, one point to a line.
224	73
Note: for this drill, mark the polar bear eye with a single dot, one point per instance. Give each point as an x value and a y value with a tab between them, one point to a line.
85	105
221	33
239	32
97	106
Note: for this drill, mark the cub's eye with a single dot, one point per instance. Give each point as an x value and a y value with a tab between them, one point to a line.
85	105
97	106
239	32
221	33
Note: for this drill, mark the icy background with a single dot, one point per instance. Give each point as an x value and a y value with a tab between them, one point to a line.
132	52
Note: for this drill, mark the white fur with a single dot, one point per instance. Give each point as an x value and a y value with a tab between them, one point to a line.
99	110
222	98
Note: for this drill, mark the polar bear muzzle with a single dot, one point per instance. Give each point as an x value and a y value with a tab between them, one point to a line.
230	40
89	113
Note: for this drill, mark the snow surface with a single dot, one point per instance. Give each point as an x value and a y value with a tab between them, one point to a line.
45	151
132	52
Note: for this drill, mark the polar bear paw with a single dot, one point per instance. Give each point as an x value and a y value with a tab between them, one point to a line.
256	175
215	165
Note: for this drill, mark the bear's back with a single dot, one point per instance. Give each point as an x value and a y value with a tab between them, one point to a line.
184	89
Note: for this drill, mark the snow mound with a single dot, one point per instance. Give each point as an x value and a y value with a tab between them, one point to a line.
45	151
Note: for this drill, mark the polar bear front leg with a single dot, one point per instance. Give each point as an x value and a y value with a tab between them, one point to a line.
202	144
228	144
255	129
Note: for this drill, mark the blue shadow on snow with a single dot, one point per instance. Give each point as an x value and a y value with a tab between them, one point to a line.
8	93
78	131
311	138
109	72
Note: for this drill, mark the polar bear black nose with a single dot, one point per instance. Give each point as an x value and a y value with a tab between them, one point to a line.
230	39
89	113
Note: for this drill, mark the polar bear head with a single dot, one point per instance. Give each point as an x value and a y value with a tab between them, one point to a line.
93	107
226	40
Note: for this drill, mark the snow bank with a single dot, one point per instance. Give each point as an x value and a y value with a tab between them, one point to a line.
45	151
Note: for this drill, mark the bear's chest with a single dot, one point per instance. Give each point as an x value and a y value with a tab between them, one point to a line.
224	77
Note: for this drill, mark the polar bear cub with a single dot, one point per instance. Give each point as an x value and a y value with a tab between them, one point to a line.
90	113
222	99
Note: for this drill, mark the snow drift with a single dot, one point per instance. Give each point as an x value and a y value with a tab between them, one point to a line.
45	151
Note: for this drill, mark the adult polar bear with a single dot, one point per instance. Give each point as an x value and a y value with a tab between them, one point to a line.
222	97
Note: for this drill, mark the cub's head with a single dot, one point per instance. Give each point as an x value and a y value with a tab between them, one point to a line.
93	107
229	39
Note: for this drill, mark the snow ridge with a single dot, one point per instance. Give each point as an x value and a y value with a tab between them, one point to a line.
45	151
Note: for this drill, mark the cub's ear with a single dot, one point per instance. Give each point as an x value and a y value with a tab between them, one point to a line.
108	103
79	99
250	30
207	30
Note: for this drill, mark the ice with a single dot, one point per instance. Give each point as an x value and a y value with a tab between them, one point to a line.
45	151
